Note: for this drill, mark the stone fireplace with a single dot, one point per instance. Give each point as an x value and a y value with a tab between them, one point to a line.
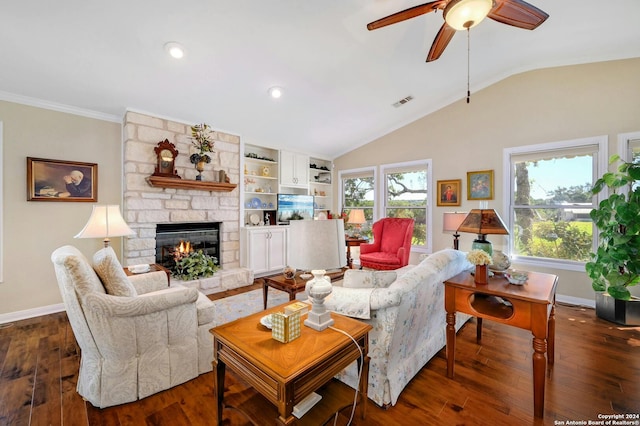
145	206
182	238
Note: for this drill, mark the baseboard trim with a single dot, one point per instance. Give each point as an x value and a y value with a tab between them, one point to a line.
31	313
578	301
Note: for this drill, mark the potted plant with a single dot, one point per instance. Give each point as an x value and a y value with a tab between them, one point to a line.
195	265
202	139
616	264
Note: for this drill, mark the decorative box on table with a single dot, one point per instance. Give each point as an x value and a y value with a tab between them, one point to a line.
285	327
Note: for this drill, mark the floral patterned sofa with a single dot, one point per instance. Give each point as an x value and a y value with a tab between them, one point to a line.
406	309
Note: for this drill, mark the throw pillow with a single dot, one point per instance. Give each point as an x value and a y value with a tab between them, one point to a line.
357	278
111	274
383	279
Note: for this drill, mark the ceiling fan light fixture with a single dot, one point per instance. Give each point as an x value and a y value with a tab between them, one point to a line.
465	14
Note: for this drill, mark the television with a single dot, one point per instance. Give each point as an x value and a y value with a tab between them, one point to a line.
294	207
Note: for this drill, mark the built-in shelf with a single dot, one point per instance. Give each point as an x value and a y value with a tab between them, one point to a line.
164	182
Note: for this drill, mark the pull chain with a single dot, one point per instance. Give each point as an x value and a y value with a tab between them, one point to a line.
468	61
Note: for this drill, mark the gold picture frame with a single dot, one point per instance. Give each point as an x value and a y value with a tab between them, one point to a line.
449	192
480	185
60	180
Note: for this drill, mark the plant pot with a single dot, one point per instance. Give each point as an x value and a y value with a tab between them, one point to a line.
482	274
624	312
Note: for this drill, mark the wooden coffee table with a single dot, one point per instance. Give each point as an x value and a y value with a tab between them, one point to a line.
530	306
292	286
285	373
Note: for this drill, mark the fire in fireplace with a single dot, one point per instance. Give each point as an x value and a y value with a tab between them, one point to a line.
179	239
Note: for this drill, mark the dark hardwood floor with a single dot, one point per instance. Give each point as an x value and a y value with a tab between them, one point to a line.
596	372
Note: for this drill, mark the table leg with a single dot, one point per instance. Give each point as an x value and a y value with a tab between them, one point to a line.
451	343
349	259
478	329
364	385
551	336
539	371
218	388
265	289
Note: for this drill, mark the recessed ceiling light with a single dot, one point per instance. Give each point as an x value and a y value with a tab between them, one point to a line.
275	92
174	49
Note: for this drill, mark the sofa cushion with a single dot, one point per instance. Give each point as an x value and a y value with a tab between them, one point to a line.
111	274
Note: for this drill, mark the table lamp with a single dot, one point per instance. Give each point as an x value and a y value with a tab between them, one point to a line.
450	223
105	222
356	217
483	222
318	246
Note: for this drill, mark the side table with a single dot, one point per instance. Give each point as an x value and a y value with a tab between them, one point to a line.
353	242
530	306
291	286
153	267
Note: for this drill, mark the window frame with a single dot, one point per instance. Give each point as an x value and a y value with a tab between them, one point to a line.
382	196
345	174
600	165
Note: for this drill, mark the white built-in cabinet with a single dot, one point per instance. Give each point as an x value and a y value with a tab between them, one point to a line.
294	169
263	249
321	183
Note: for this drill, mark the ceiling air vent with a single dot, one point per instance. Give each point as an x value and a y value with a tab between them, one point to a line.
403	101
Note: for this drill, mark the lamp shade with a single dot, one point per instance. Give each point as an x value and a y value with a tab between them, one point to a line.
356	216
465	14
317	244
105	222
452	220
483	222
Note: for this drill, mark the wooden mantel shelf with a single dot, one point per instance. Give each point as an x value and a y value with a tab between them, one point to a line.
165	182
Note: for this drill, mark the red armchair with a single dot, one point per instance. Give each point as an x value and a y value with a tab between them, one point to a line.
391	244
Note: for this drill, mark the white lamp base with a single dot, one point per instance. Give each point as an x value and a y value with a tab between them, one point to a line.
318	321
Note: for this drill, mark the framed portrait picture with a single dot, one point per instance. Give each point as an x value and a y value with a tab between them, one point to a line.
449	192
480	185
59	180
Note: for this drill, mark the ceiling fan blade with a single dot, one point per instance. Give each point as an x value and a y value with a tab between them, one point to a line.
441	41
518	13
406	14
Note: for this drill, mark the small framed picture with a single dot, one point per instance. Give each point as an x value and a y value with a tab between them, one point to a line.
480	185
449	192
59	180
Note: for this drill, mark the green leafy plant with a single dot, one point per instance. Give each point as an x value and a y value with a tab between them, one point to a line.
195	265
202	139
616	264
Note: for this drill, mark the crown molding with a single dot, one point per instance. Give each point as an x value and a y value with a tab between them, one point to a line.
41	103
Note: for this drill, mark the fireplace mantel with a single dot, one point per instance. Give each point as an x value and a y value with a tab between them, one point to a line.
165	182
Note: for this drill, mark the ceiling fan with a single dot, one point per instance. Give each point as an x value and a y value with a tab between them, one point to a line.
465	14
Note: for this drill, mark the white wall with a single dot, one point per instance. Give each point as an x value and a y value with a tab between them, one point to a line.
31	229
535	107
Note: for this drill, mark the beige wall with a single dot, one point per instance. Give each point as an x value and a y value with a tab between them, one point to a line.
32	230
535	107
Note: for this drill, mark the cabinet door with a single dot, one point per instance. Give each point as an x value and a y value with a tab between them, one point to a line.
294	169
277	249
258	250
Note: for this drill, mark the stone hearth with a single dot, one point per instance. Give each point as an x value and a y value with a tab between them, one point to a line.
145	206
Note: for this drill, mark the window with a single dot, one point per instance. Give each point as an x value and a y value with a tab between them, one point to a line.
406	195
358	191
549	201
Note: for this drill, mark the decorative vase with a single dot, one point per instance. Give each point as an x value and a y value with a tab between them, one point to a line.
200	168
482	274
319	287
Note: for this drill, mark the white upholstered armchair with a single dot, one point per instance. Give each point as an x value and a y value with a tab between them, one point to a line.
138	336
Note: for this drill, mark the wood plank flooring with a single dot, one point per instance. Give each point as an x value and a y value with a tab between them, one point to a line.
596	372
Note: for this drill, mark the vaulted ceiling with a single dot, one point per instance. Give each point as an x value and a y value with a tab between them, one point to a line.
340	80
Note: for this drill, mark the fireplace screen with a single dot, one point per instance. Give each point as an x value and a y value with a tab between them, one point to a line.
184	238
